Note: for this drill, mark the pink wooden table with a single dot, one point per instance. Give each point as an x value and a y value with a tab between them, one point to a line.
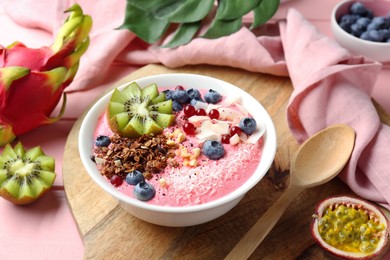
45	229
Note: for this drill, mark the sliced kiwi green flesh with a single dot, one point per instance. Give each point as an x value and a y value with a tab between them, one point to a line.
133	112
25	175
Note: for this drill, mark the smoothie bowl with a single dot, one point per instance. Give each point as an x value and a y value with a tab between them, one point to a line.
177	149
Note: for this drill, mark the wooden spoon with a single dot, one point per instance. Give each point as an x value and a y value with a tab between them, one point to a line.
319	159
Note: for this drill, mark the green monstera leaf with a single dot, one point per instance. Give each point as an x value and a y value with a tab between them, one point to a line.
151	20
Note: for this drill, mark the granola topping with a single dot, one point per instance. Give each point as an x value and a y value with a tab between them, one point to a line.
148	154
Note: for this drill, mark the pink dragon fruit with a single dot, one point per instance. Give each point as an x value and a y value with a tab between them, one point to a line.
32	81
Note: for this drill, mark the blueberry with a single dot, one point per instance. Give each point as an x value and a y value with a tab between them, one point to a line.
248	125
385	34
349	19
180	96
345	26
213	149
365	36
193	93
364	21
168	94
144	191
102	141
212	97
358	8
357	29
378	22
176	106
375	35
134	177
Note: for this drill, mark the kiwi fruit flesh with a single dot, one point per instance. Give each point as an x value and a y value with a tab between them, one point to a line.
134	112
25	175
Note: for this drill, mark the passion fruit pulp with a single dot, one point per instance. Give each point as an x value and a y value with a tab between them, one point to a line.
350	228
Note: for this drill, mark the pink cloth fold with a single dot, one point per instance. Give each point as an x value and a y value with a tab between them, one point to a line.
330	85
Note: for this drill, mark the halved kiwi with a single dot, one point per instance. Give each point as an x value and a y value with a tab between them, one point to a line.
134	112
25	175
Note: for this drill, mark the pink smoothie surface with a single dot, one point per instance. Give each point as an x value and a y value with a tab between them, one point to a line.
208	181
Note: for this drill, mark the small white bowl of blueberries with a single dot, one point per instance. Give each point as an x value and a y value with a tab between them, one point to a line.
363	27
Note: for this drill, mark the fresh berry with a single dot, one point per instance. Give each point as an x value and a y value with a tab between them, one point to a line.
189	128
200	112
358	8
144	191
247	125
176	106
116	180
134	177
364	21
102	141
376	35
357	29
189	110
212	97
234	130
168	94
179	87
225	139
213	149
193	93
180	96
214	114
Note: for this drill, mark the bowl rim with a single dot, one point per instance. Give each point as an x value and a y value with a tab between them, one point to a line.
270	146
334	22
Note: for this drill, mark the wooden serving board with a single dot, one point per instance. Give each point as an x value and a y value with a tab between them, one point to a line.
109	232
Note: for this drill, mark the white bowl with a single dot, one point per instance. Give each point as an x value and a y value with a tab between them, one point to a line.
191	215
378	51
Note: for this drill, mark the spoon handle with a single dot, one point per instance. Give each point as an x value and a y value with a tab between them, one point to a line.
263	226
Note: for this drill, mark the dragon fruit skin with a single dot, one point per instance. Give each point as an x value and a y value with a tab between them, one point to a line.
32	81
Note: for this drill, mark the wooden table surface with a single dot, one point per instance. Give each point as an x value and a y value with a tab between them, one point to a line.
110	233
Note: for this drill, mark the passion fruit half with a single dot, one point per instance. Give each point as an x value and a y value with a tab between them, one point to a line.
350	228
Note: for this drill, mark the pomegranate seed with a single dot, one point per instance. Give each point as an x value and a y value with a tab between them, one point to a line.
214	114
189	128
189	110
234	130
200	112
225	139
116	180
179	87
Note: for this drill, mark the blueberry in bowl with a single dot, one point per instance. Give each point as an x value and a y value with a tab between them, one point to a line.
363	27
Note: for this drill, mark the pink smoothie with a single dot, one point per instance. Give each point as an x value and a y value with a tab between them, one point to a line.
209	180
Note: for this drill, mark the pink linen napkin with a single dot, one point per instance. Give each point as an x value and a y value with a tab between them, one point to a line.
330	85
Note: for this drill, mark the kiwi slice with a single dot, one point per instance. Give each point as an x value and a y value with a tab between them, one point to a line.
134	112
25	175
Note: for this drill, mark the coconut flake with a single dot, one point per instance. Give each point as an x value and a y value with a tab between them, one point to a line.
231	100
200	104
229	113
234	140
195	119
99	161
242	109
220	128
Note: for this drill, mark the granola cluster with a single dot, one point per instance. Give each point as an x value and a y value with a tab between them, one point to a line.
148	154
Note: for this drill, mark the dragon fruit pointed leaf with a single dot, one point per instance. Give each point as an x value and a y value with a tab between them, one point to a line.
32	81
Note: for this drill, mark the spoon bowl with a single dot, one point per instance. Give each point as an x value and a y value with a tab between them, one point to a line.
322	156
319	159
